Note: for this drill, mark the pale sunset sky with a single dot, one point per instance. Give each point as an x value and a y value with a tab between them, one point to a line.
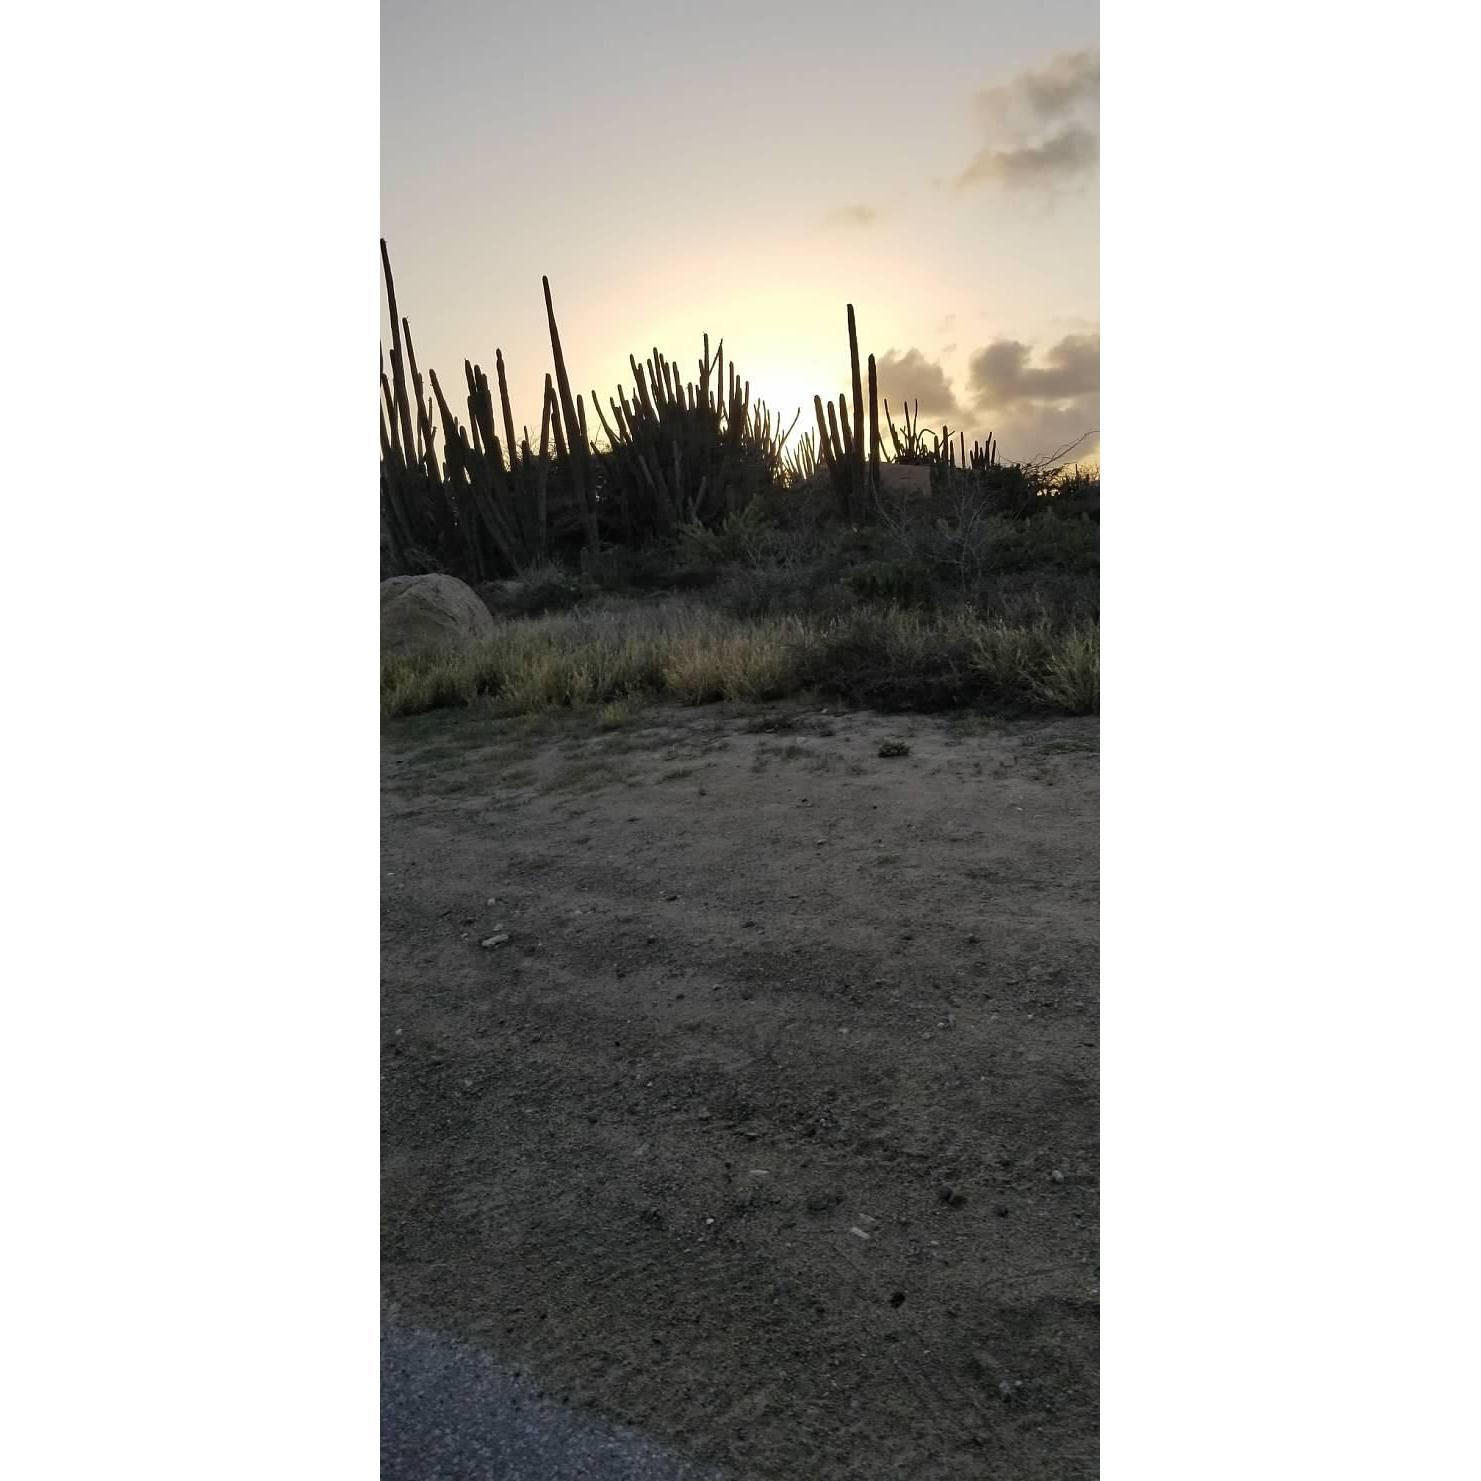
678	168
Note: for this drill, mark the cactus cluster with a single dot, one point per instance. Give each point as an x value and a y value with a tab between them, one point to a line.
801	461
684	452
485	507
484	503
984	454
852	463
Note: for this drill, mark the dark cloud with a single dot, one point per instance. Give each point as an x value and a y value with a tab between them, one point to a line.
1037	409
1041	126
1000	374
910	378
857	215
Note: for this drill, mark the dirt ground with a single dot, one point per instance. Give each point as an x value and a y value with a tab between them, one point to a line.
771	1127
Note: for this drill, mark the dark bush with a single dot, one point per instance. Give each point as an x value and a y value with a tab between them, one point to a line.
776	591
904	583
862	663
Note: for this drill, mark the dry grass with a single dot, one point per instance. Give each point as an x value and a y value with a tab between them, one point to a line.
614	658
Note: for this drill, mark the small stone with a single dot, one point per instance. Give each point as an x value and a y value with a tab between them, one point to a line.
496	940
951	1197
1057	1175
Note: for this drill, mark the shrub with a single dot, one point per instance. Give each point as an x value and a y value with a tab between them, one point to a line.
776	591
889	661
1071	677
1050	542
904	583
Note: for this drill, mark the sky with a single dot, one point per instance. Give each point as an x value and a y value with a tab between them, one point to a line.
679	168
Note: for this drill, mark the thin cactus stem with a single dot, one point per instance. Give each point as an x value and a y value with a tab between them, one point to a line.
397	373
504	405
853	355
573	429
873	428
823	441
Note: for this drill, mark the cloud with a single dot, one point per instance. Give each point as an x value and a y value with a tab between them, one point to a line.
1042	126
1030	433
1065	83
910	378
1000	374
856	215
1067	155
1037	409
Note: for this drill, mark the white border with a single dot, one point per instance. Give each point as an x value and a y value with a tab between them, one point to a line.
1289	806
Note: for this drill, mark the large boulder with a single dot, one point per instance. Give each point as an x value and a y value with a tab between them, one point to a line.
431	614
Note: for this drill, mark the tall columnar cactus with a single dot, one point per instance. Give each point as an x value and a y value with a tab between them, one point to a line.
873	428
398	374
579	453
858	441
850	452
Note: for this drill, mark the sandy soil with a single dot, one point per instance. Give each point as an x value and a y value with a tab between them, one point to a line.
771	1128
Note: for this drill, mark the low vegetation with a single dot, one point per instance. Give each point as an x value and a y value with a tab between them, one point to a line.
610	658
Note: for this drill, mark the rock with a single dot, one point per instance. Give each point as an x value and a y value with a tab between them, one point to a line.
431	614
905	480
496	940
